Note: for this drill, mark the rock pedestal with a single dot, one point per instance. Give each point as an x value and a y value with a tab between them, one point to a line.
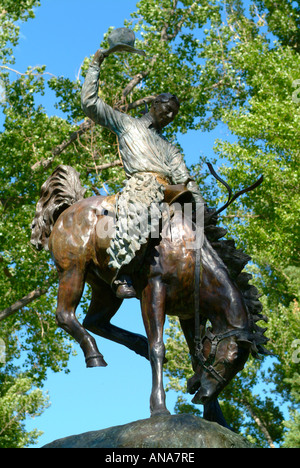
178	431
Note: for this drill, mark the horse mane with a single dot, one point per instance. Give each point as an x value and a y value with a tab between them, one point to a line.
61	190
235	260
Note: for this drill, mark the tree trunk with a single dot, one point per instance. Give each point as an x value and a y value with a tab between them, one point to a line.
260	424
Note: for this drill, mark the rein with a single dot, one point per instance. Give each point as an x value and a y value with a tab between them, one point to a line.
207	364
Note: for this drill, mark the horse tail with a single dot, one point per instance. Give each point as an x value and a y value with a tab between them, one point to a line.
61	190
235	260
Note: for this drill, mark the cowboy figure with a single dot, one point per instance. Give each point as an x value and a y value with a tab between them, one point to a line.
150	161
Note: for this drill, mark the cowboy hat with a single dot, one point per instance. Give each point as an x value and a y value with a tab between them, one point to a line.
122	39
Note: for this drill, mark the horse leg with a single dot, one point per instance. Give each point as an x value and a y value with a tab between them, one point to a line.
212	412
71	284
104	305
153	311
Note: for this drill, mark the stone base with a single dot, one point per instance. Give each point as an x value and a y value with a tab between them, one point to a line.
178	431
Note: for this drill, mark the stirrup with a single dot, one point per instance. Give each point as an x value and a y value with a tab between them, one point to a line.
125	291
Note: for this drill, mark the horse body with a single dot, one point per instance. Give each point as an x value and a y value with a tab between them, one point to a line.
165	285
78	244
73	238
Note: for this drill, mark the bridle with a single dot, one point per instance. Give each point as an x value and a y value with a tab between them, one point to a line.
207	363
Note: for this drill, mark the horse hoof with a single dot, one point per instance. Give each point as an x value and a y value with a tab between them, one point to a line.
95	361
160	412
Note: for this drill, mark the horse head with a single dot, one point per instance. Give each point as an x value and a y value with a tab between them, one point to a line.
218	358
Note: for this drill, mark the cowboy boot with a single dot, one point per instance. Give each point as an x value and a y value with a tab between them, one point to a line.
125	289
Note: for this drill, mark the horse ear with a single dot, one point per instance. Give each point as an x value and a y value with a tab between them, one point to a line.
249	345
244	343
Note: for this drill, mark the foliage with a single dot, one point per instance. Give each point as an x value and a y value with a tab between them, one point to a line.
292	439
18	399
223	65
32	143
11	12
257	97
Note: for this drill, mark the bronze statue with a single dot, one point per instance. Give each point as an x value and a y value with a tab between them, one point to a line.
147	158
79	236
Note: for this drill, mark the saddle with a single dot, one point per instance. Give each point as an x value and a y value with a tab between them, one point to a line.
176	193
133	254
172	194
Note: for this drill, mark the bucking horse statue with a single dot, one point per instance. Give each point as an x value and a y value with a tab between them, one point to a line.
199	286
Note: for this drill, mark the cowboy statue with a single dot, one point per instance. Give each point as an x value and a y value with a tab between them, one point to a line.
150	161
204	285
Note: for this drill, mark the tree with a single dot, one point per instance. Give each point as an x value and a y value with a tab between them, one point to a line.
32	144
18	396
292	439
217	59
18	399
260	105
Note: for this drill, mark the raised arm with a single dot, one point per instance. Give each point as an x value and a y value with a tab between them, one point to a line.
97	110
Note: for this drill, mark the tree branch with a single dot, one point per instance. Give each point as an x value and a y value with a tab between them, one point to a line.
30	72
45	163
260	424
214	86
169	37
138	103
134	82
241	216
23	302
102	167
5	269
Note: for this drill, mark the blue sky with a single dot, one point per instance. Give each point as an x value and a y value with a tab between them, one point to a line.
63	33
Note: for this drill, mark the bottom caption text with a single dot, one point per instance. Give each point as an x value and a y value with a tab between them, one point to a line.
142	456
